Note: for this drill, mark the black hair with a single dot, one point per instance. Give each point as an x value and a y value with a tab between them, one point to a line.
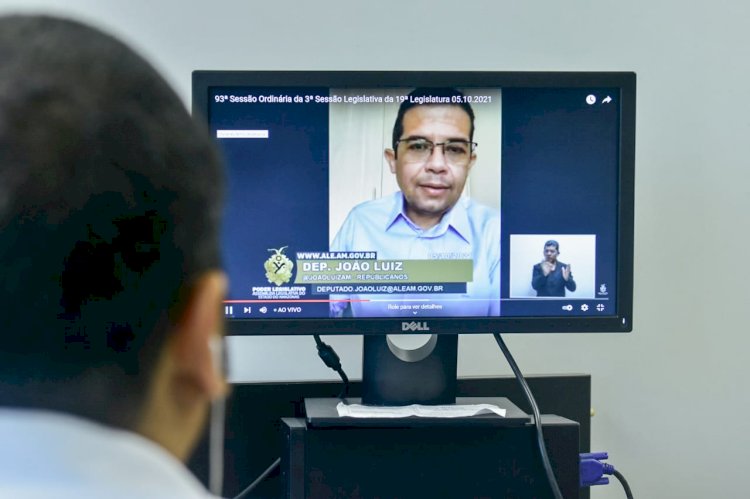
430	96
554	243
110	198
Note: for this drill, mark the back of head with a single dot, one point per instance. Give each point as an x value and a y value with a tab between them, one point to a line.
109	206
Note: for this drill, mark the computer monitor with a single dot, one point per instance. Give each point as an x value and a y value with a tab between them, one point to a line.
378	203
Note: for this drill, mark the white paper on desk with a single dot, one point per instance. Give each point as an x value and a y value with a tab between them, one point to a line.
424	411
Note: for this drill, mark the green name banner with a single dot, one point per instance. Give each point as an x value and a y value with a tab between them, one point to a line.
383	271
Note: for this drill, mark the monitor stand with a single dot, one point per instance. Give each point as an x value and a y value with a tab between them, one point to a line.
395	374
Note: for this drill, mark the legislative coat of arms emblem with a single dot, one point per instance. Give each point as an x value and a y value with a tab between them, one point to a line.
278	267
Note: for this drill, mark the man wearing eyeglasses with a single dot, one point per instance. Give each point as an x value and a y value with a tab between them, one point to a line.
431	156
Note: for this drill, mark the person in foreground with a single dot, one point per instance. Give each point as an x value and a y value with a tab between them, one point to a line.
110	285
428	218
551	277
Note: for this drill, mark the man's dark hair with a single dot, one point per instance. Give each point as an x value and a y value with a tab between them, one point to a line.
552	242
430	96
109	208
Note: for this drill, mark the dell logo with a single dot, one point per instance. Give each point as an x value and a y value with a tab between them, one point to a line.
414	326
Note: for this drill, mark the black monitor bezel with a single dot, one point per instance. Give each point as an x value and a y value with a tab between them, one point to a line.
202	81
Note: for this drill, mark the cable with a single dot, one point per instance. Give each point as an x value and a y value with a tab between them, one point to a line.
331	359
537	418
216	447
593	468
624	483
262	477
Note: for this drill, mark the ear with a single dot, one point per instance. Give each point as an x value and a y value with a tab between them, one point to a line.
193	342
471	161
390	157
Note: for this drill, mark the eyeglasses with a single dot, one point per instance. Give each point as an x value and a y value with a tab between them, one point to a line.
456	152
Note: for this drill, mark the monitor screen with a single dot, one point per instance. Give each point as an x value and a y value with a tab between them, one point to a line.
441	202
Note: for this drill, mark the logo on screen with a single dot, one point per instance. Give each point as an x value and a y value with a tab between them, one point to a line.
414	326
278	267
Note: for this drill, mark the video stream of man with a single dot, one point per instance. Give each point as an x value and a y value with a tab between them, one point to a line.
551	277
443	244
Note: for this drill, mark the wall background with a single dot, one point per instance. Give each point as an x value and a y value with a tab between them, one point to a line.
670	400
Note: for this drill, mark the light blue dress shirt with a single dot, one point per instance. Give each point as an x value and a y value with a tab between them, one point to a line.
46	454
468	231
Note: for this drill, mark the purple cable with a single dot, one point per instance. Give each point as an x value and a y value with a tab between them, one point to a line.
592	469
